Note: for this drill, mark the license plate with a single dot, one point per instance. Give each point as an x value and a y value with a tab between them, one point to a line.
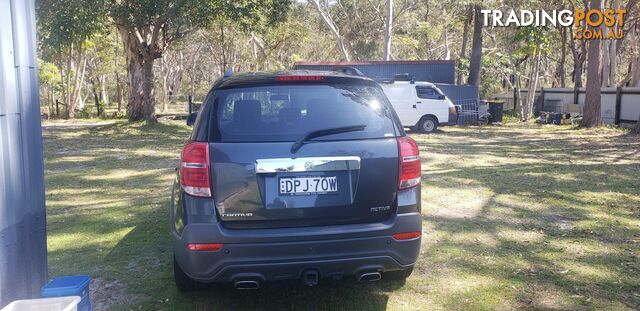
308	185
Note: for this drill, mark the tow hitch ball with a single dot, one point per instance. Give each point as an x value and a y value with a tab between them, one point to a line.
310	277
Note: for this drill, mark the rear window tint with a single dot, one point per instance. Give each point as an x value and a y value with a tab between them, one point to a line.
287	112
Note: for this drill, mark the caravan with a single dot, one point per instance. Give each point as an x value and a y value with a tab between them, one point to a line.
420	106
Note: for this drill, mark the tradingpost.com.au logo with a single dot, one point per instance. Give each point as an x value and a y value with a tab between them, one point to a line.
588	24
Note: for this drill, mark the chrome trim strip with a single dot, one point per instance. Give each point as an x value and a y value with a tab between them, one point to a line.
311	164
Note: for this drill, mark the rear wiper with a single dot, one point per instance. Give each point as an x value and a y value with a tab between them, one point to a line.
325	132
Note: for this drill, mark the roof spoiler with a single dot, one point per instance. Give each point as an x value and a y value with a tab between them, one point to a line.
348	71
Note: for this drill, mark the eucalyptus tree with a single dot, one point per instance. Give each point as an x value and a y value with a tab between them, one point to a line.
149	27
591	113
476	47
64	26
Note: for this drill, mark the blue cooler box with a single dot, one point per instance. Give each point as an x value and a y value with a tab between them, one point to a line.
77	285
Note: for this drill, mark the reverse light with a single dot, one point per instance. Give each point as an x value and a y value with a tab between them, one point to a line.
208	247
409	155
194	169
406	235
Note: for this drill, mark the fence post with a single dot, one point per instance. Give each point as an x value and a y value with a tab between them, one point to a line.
576	93
515	97
541	104
618	105
190	104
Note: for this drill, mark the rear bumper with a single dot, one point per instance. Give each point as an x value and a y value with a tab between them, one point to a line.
284	254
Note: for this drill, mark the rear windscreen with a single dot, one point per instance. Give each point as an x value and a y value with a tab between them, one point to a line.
288	112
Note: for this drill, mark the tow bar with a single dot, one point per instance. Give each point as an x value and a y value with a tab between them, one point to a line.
310	277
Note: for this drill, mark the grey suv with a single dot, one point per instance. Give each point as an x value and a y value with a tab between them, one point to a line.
295	175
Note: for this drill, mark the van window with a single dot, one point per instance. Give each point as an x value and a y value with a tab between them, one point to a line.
288	112
427	92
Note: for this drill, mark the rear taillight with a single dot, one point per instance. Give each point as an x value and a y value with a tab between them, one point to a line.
194	169
409	162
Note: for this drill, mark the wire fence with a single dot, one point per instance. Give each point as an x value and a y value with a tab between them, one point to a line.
467	111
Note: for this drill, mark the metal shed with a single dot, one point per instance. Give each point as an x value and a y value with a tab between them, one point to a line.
23	244
435	71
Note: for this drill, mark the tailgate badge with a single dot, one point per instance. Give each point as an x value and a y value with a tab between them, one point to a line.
380	208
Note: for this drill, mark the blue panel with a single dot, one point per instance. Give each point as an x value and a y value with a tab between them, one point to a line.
23	248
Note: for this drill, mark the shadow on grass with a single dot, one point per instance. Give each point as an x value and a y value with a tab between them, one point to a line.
561	243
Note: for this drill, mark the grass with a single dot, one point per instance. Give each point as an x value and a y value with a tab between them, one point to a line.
518	216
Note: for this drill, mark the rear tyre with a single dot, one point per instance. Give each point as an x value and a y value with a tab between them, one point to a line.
428	124
183	282
400	275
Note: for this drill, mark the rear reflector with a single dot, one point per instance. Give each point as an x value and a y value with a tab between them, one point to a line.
409	155
194	169
205	247
299	78
406	236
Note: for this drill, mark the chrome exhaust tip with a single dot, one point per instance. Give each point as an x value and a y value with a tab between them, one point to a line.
242	285
370	277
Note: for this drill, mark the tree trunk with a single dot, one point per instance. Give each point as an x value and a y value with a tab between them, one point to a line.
476	49
135	105
591	114
613	51
561	72
334	29
96	98
605	59
103	92
119	91
465	38
578	62
119	88
141	103
527	109
148	88
388	30
68	101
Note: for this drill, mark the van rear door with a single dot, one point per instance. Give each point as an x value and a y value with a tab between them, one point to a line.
403	99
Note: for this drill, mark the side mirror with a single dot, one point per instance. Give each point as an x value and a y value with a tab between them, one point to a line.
191	119
441	97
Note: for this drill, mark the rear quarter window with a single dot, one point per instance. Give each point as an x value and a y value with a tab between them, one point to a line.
287	112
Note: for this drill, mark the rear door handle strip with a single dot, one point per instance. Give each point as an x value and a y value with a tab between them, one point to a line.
310	164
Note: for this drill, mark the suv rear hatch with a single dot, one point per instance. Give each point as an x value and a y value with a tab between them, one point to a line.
292	152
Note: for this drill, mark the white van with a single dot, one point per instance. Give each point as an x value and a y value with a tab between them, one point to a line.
420	105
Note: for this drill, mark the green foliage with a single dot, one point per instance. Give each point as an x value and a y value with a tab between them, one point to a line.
495	67
62	23
180	16
48	73
532	38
